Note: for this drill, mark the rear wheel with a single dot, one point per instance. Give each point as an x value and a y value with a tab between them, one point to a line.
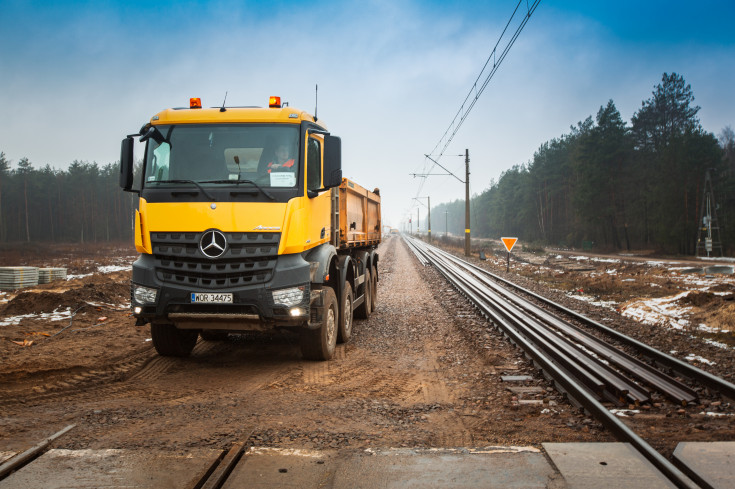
344	332
374	291
363	310
172	342
319	344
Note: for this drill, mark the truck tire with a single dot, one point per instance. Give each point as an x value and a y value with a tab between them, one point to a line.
209	335
172	342
363	310
319	344
344	331
374	291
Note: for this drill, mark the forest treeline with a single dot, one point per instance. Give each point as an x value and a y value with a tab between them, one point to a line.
81	204
606	182
614	185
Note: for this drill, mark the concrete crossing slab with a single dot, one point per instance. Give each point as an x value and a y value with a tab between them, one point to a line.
113	469
492	468
709	464
575	465
604	466
262	468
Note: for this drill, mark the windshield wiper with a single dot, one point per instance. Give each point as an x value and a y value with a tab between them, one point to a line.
187	181
265	192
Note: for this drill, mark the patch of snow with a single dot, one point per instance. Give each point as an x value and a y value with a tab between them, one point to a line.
595	258
692	357
707	329
69	277
595	302
113	268
717	343
656	311
624	413
56	315
712	258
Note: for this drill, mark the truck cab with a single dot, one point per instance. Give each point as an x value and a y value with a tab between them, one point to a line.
236	227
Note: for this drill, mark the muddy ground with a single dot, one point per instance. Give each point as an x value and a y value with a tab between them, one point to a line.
424	371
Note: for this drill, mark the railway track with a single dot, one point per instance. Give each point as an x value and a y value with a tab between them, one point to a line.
587	369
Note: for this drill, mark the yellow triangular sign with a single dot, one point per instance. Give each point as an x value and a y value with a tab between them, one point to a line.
509	243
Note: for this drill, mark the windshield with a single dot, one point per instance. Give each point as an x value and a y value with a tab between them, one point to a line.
213	155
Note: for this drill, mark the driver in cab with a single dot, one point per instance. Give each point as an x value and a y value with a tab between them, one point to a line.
281	162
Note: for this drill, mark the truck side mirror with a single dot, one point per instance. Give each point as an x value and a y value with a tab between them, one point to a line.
332	161
126	164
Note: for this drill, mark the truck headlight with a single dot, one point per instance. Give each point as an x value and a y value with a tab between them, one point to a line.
297	311
144	295
289	297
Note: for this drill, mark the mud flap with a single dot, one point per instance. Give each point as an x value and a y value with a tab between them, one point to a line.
316	309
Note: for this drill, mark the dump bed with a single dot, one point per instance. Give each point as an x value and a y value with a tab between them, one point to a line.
359	216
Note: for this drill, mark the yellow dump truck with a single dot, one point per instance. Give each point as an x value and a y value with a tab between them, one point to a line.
245	223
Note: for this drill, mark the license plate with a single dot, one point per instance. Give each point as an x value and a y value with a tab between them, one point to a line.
211	298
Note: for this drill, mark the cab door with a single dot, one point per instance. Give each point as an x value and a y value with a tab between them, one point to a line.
319	207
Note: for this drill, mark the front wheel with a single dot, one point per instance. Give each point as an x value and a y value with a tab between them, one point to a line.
170	341
319	344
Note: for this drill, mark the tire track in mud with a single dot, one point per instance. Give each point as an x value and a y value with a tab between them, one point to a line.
144	366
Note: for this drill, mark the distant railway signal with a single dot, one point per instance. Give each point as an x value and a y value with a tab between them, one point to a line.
509	244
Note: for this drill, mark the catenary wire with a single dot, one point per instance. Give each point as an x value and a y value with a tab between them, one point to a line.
474	93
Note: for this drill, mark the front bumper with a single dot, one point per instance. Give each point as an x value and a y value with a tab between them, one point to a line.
252	306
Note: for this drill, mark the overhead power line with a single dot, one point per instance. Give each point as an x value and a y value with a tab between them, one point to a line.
486	74
488	71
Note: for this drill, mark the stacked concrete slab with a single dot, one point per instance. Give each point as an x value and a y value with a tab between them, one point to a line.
12	278
47	275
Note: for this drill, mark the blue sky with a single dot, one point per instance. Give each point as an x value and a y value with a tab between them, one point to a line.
75	77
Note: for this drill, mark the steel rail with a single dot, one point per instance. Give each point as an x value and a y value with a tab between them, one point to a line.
587	369
653	377
18	461
661	358
469	286
419	255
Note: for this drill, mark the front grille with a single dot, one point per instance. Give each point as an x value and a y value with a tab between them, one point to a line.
249	259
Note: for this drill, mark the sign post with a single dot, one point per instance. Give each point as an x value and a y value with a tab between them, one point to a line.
509	244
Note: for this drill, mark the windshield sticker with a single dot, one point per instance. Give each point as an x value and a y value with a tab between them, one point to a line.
283	179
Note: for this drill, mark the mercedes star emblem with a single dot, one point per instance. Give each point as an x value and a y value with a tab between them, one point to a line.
213	243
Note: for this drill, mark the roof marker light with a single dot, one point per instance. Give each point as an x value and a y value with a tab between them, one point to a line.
274	102
195	103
